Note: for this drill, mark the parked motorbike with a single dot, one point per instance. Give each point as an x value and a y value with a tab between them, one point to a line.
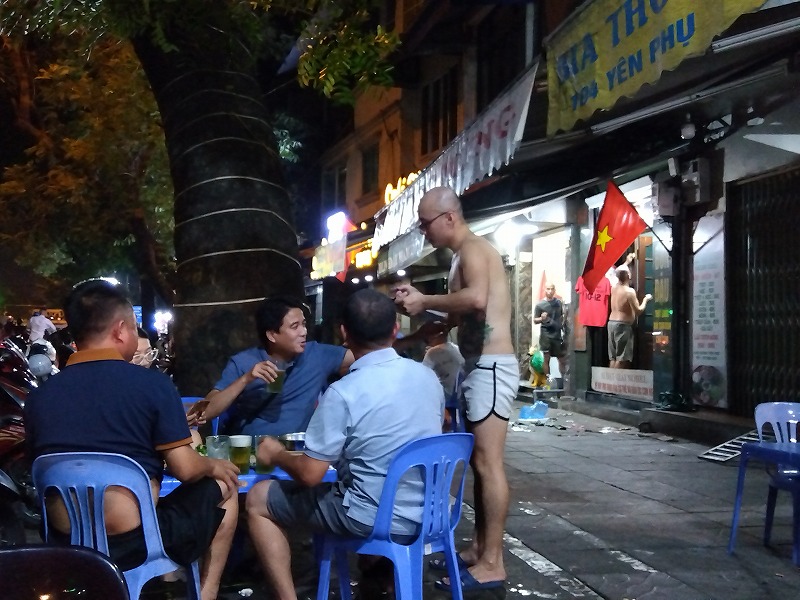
16	380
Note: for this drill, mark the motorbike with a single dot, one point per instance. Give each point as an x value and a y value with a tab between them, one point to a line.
17	493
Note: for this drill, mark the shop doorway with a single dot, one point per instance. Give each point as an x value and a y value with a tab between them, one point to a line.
762	246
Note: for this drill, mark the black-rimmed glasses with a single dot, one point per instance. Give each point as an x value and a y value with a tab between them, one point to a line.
424	225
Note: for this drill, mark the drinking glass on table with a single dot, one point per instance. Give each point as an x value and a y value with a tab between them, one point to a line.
240	451
218	446
261	468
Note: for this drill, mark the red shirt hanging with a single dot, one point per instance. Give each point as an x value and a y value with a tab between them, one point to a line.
593	305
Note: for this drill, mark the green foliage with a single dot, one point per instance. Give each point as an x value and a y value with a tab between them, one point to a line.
288	132
342	53
345	59
99	165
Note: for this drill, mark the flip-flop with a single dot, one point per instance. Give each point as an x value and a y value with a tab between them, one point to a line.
439	564
470	584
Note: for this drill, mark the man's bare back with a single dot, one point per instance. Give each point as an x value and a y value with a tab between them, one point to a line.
489	331
625	306
621	308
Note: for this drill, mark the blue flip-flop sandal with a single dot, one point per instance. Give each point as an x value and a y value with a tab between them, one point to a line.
470	584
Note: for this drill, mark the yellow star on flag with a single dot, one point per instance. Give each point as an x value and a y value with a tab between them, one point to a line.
603	238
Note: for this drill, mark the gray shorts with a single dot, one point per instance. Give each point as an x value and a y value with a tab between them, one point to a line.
620	341
490	386
319	509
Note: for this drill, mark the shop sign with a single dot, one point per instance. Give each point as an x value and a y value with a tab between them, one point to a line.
329	259
608	49
709	367
363	258
393	191
633	383
486	145
401	253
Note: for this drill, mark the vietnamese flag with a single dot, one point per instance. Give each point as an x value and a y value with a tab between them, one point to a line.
617	227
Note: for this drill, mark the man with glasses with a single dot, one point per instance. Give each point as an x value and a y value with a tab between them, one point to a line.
479	304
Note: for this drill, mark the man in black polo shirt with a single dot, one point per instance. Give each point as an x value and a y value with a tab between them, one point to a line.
101	403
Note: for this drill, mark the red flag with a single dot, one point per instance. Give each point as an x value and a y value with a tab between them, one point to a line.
617	227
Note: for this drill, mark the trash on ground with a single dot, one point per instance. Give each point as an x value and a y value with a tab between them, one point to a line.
666	438
537	410
246	592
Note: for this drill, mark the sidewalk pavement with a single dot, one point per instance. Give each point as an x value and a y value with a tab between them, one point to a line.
599	510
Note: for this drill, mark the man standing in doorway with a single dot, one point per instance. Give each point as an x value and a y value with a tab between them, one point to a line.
479	304
625	307
549	313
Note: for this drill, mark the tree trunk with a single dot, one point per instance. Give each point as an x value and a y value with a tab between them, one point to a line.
234	241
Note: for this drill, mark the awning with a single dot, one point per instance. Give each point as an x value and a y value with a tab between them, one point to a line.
481	148
607	50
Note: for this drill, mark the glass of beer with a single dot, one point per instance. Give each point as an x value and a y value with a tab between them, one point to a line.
261	468
276	386
240	451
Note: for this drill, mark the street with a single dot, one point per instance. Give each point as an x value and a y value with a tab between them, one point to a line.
599	510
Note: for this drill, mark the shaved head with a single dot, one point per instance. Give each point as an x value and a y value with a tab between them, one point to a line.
441	199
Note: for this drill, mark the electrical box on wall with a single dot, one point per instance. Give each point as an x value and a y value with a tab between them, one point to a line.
665	195
696	182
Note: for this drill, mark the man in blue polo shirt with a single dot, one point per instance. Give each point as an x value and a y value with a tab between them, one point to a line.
242	391
361	422
101	403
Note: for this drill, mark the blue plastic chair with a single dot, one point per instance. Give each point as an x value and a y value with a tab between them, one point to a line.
81	479
453	405
439	459
783	416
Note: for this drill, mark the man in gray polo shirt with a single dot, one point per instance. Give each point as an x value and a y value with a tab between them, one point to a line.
361	422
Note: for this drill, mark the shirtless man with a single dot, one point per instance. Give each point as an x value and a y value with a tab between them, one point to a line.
101	403
479	304
625	307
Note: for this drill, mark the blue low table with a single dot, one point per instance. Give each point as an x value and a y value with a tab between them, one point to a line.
246	480
779	453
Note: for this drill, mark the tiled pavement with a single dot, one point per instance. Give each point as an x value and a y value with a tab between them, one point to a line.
601	511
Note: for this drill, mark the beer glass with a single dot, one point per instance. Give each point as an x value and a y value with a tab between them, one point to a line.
275	387
240	451
260	466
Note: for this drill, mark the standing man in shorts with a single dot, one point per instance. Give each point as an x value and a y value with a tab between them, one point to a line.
362	420
479	304
549	313
625	307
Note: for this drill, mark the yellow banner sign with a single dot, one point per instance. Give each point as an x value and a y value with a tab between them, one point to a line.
611	48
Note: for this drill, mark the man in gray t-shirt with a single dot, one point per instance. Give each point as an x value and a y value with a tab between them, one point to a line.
384	402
